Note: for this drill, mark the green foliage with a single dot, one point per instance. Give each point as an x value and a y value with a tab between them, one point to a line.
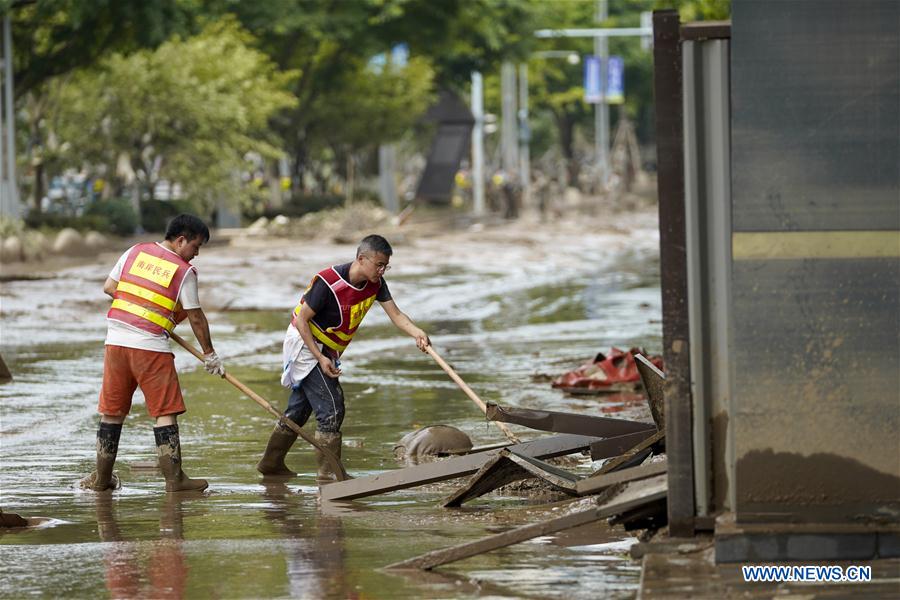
63	35
698	10
382	105
300	205
55	221
10	227
117	213
189	112
155	214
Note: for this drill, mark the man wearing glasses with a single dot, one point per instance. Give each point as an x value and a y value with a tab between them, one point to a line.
322	325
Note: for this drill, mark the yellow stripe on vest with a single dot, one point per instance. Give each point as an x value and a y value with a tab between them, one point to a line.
320	335
144	313
136	290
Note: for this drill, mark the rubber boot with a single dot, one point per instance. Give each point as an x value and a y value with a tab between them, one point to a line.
330	441
107	447
168	446
272	461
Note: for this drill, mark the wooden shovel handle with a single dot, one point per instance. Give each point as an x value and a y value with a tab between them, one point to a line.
329	456
471	394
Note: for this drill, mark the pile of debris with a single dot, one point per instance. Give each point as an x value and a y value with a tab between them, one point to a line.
630	487
342	224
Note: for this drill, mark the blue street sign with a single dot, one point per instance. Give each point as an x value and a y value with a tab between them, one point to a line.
593	91
400	55
615	80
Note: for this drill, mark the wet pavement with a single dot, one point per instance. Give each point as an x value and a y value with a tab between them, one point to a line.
504	306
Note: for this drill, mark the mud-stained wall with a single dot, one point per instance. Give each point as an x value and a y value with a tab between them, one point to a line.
816	269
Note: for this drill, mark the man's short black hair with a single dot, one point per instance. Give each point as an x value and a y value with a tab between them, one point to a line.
374	243
188	226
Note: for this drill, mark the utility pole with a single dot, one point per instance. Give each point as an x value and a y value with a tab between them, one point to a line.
387	186
477	104
600	35
601	109
9	195
524	139
509	130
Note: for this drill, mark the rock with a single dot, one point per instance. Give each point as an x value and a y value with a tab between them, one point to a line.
11	251
35	245
259	224
279	225
68	241
432	441
95	240
572	198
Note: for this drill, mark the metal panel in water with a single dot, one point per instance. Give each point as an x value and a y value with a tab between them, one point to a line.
816	259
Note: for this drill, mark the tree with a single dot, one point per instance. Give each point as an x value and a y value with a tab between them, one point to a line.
330	42
54	37
698	10
189	111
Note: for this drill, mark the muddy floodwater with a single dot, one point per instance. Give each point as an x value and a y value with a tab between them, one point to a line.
506	306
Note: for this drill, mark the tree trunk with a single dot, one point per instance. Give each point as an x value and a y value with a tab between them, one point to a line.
566	126
37	191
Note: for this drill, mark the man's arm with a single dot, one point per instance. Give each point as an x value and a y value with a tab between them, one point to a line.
201	329
302	325
405	324
109	287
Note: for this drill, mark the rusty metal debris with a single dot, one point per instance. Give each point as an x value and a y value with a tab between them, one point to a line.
509	466
654	382
634	491
450	468
620	444
632	455
635	495
560	422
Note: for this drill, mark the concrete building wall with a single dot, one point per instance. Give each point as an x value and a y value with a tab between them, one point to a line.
815	97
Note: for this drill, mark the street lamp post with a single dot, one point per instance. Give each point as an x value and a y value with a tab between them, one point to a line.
600	35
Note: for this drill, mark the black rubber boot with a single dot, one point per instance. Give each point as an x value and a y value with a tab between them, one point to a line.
108	435
168	446
330	441
272	461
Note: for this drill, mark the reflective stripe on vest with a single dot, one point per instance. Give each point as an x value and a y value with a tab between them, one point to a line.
353	304
144	313
136	290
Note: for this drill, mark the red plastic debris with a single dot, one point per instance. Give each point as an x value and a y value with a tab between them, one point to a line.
611	373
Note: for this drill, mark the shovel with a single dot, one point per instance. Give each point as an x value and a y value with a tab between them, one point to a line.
333	460
468	391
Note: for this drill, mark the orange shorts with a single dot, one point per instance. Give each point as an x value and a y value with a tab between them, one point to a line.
126	368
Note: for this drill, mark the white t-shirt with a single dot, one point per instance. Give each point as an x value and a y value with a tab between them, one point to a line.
297	359
122	334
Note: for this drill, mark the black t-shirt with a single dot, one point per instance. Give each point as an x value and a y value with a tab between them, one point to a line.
321	299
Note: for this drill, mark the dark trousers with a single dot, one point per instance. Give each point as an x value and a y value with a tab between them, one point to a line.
320	394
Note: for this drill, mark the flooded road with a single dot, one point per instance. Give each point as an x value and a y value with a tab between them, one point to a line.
505	306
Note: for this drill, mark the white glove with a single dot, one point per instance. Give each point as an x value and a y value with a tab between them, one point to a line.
213	364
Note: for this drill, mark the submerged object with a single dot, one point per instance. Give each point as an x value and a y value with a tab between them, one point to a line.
606	373
435	440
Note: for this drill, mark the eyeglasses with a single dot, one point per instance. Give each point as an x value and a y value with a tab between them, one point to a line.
383	267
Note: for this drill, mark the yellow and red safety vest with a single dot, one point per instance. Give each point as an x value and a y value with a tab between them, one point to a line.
354	304
147	294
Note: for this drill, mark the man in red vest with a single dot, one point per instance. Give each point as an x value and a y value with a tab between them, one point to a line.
153	286
322	326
